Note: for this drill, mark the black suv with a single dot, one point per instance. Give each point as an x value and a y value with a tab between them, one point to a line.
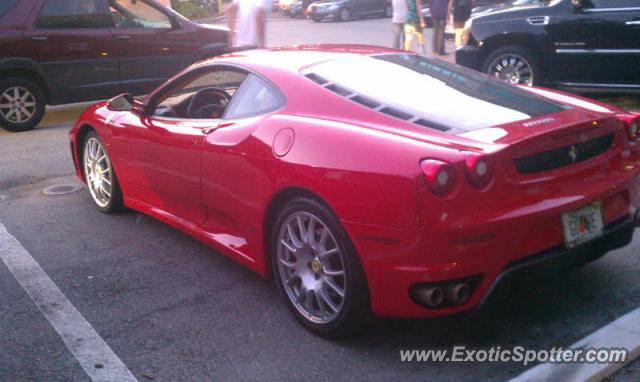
587	45
62	51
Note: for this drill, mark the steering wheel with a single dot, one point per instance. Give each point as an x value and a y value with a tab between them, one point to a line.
208	103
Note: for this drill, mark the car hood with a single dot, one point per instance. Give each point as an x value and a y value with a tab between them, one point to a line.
490	8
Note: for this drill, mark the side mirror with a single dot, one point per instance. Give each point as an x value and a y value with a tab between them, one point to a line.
123	102
577	4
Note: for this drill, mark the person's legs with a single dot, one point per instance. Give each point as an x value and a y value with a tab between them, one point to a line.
458	27
408	37
438	36
435	42
398	36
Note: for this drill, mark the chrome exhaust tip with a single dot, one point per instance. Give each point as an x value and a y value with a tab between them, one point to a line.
432	296
459	293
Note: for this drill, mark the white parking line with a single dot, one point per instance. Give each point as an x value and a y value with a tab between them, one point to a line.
94	355
622	333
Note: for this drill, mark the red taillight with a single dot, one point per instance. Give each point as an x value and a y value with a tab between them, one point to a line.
632	126
479	170
441	176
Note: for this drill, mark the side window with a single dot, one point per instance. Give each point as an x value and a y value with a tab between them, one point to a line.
71	14
610	4
137	14
204	96
254	98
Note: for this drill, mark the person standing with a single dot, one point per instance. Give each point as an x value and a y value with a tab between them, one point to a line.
439	13
413	25
461	13
247	22
398	19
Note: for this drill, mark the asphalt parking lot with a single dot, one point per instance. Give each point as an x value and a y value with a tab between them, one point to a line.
172	309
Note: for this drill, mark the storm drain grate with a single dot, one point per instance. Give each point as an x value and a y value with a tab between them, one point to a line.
61	189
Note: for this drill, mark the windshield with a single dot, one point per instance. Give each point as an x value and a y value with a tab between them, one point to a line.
447	97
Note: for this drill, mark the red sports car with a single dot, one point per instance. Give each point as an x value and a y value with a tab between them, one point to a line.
368	180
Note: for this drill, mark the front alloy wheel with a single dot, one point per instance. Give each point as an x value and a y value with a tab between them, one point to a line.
317	269
516	64
512	68
99	175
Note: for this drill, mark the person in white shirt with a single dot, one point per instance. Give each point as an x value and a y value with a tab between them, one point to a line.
398	19
247	22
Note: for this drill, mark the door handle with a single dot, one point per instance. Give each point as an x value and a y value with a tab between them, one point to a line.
123	37
633	22
39	38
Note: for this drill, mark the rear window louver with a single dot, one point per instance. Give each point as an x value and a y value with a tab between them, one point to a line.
373	104
396	113
368	102
317	79
431	124
338	90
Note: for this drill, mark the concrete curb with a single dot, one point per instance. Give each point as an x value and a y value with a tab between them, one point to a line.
621	333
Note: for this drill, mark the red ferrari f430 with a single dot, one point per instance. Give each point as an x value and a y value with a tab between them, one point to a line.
368	180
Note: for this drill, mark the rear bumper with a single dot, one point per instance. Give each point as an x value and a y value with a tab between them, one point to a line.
397	261
470	56
558	259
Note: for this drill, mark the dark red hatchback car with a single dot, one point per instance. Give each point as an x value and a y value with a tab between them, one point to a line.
55	52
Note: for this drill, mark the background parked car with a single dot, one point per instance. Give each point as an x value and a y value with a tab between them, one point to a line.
345	10
55	52
295	8
581	44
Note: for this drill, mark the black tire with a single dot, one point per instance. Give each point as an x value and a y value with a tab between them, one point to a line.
356	312
515	51
316	20
344	15
9	117
115	201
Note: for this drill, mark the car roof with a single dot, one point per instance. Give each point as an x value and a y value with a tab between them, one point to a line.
295	58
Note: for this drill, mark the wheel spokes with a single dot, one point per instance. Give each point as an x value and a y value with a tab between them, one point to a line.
98	172
311	267
333	286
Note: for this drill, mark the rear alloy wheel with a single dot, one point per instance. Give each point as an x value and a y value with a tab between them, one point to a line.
99	175
515	65
317	270
344	15
22	104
